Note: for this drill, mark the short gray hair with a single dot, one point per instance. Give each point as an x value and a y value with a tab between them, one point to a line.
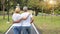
25	8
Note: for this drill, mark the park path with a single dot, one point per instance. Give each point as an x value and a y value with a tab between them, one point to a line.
33	30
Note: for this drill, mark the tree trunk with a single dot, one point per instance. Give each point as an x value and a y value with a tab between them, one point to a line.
3	11
3	1
36	13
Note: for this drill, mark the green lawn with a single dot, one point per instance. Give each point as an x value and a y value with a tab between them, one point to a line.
4	25
46	25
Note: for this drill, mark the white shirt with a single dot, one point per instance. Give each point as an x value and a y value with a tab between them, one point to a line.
28	20
16	17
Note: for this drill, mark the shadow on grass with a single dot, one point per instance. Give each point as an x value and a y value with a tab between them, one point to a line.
49	31
39	30
1	32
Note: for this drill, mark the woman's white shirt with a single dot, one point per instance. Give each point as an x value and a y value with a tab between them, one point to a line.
16	17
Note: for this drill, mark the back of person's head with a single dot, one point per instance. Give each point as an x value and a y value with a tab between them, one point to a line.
25	8
17	10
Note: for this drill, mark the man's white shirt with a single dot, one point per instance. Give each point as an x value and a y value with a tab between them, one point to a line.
28	20
16	17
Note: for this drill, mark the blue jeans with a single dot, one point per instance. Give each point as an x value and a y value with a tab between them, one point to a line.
27	30
17	29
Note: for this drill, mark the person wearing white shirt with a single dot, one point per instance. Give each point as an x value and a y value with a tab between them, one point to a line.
26	24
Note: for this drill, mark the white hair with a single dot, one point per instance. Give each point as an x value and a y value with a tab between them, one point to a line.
25	8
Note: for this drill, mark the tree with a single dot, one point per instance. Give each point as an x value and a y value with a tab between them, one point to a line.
3	2
34	4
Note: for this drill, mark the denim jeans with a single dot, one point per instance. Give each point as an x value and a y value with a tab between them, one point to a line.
17	29
26	30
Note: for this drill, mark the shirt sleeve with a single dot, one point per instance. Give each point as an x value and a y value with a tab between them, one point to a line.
24	15
19	17
16	17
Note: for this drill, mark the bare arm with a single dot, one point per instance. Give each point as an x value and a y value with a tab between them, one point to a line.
25	17
17	21
32	20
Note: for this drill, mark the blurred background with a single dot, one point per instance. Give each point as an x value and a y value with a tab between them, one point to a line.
46	14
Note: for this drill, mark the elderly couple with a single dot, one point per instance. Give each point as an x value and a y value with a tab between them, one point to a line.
22	22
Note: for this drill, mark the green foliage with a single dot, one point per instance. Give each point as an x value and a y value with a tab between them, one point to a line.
33	3
37	5
57	12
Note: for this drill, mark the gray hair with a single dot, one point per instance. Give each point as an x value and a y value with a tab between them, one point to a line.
25	8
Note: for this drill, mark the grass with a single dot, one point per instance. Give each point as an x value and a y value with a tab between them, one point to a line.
48	25
4	25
